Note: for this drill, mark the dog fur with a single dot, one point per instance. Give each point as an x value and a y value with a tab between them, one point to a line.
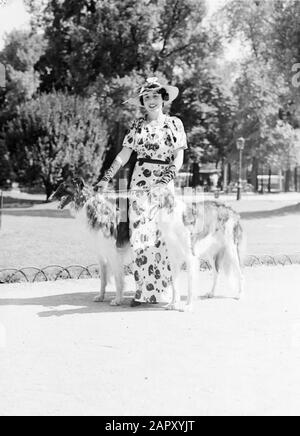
203	230
192	231
100	217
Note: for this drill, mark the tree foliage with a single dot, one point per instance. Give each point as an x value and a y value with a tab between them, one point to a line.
56	133
109	47
21	52
102	50
114	38
267	100
5	167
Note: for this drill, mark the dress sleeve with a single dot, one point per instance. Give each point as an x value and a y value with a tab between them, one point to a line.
179	134
130	137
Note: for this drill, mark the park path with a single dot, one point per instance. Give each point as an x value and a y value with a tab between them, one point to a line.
62	354
42	235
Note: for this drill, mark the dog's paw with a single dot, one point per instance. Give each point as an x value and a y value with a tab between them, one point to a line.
173	306
187	308
240	296
99	299
115	302
209	296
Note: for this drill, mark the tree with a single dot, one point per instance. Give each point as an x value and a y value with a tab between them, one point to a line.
108	47
21	52
256	117
271	29
5	167
267	101
115	37
206	107
54	133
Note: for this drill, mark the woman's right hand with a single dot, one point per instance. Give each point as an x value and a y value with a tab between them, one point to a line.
101	186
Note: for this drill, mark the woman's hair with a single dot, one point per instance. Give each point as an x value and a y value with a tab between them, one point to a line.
165	96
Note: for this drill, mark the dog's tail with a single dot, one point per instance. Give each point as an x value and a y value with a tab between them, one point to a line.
240	241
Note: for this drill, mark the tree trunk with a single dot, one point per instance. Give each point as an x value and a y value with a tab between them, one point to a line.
296	180
195	178
229	173
280	180
287	180
225	176
262	186
270	181
254	173
48	188
113	147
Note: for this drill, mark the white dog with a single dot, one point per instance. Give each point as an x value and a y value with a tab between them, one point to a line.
192	231
204	230
100	217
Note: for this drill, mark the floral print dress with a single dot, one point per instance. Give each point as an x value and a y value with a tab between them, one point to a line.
158	141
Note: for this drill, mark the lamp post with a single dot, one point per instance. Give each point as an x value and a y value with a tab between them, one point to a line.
240	145
2	86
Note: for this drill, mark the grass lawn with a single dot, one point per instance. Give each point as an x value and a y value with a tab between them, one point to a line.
37	234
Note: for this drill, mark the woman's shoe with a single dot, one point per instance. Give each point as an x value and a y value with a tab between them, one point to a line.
135	303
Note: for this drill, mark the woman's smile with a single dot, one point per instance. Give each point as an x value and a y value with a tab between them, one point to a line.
153	101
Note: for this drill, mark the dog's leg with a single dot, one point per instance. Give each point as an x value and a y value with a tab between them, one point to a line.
176	265
208	247
103	277
118	270
241	279
175	302
120	283
192	270
235	269
174	247
216	264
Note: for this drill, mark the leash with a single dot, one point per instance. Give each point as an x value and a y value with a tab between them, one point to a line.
120	191
124	190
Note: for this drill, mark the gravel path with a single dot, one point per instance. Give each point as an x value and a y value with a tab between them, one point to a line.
62	354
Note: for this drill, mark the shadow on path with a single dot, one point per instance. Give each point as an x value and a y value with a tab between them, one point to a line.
83	304
13	202
282	211
43	213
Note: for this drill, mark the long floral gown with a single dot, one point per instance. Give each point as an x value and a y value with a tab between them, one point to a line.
152	271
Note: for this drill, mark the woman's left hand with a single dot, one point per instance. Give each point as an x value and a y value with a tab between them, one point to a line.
158	188
157	192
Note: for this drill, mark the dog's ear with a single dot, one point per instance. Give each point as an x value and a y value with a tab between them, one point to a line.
79	182
58	190
68	178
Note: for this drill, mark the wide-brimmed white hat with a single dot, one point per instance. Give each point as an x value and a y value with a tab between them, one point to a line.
153	84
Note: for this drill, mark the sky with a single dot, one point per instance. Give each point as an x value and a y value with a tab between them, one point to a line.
12	16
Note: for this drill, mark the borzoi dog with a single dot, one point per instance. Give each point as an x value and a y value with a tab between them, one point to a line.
197	230
100	217
192	231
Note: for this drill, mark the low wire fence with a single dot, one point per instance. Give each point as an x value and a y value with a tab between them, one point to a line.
57	272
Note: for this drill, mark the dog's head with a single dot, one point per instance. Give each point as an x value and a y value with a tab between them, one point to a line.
71	190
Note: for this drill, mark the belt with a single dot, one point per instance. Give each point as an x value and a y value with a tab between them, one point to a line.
152	161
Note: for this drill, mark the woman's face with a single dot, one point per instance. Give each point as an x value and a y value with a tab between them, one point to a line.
153	101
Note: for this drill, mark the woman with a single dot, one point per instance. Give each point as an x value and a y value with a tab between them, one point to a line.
159	141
